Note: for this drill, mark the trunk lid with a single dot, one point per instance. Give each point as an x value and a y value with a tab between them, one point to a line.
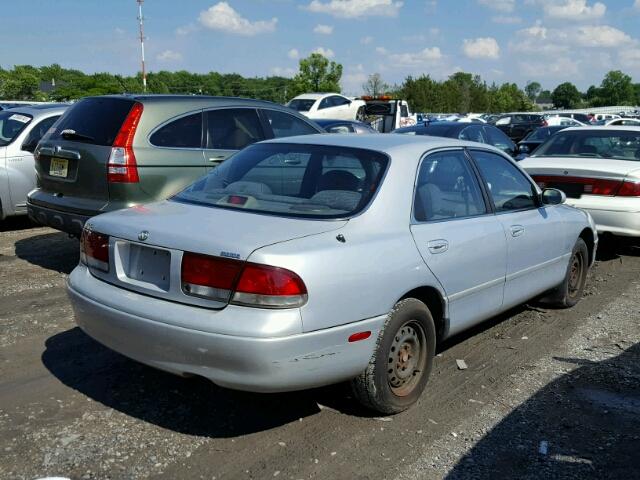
76	165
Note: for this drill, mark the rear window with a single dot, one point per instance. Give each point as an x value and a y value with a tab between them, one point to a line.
95	120
618	145
184	132
11	124
289	180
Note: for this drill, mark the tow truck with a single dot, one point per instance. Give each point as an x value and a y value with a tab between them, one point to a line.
385	113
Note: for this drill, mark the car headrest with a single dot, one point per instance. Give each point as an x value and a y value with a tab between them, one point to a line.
338	180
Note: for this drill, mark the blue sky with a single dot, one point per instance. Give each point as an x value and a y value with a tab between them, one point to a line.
549	41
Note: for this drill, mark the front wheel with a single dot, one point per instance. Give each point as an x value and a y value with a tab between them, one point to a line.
569	292
402	360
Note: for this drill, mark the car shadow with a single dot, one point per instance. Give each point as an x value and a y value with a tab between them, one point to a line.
193	406
11	224
613	248
53	251
583	425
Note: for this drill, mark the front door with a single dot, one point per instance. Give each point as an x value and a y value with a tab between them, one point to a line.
536	262
459	238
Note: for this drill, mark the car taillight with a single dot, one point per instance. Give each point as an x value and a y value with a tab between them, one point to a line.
629	189
94	250
122	167
241	283
544	123
590	186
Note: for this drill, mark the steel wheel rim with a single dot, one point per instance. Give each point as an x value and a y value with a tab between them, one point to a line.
575	274
406	358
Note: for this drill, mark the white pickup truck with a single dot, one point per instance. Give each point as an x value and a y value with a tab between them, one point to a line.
386	114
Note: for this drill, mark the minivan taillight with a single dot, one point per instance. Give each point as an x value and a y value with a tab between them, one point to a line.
94	250
241	283
122	167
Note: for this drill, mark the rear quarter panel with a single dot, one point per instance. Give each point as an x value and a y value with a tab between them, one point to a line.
5	201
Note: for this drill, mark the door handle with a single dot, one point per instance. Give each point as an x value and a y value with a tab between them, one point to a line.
516	230
217	158
438	246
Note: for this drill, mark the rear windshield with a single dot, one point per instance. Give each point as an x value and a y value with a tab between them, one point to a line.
290	180
619	145
301	105
11	124
434	130
94	120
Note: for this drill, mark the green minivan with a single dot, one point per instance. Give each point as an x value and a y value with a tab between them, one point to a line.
112	152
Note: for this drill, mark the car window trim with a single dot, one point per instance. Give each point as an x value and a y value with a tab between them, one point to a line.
205	124
488	206
537	198
177	117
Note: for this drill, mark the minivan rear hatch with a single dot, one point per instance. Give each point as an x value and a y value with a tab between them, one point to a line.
72	158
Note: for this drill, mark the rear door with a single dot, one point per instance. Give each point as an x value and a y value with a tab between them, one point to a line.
228	130
537	253
459	238
72	159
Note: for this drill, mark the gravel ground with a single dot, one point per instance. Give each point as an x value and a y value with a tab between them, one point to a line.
547	394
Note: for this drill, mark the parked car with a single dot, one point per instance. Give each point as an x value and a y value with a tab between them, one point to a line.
345	126
328	105
21	129
598	168
598	117
555	120
616	122
313	260
531	142
475	132
112	152
519	125
581	117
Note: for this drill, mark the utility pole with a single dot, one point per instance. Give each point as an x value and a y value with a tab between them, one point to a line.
141	21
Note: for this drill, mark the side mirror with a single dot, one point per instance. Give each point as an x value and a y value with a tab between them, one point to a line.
553	196
30	146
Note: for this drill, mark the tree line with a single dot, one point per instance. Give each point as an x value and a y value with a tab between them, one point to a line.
460	92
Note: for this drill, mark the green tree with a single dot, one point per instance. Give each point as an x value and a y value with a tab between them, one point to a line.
566	95
617	89
317	74
375	85
533	89
21	83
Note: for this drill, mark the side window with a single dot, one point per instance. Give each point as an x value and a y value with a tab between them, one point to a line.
325	103
508	187
499	139
38	131
339	101
285	125
233	128
404	111
472	134
185	132
447	188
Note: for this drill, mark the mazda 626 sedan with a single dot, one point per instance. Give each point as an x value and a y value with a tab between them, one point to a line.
308	261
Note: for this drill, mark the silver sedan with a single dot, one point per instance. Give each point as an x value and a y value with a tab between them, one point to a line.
308	261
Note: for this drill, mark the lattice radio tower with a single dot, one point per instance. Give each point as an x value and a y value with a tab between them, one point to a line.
142	37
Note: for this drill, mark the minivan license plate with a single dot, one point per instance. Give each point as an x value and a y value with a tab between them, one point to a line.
59	167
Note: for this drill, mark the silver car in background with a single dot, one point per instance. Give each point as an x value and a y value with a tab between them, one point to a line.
303	262
21	129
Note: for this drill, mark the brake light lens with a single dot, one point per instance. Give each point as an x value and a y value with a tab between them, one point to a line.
590	186
94	250
241	283
629	189
122	167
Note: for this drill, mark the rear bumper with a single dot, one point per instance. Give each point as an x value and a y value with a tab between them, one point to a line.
71	223
622	220
258	364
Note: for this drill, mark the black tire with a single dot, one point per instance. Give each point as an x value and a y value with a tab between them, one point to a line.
394	378
360	114
569	292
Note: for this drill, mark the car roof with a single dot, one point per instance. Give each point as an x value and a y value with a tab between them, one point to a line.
40	110
412	144
313	96
195	99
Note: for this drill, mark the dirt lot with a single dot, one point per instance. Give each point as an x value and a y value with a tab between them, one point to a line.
548	394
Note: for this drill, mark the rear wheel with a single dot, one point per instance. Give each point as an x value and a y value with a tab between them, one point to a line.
400	366
569	292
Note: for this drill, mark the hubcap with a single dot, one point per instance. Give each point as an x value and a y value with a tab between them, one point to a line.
575	274
406	358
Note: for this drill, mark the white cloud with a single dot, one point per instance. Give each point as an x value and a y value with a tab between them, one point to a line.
434	31
366	40
484	47
500	5
356	8
506	19
223	17
561	68
293	54
575	10
381	50
187	29
283	72
169	56
630	57
323	29
636	4
601	36
423	57
325	52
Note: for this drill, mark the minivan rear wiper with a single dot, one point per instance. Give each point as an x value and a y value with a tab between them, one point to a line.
70	134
